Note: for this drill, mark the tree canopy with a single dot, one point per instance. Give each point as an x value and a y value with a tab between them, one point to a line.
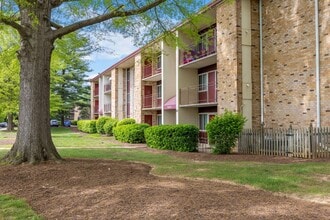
41	22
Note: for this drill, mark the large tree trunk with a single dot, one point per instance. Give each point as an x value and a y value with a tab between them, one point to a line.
33	141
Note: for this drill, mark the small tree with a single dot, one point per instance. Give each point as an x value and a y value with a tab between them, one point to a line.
223	131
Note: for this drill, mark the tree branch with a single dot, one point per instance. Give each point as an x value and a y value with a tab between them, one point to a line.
115	13
14	25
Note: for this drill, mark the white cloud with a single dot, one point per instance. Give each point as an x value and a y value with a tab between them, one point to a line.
114	47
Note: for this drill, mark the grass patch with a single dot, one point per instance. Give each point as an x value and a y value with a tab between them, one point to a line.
12	208
63	137
298	178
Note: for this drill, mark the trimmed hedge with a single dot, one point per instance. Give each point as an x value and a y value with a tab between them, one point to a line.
131	133
100	124
109	126
126	121
173	137
88	126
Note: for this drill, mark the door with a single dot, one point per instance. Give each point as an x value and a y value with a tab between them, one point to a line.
148	119
147	97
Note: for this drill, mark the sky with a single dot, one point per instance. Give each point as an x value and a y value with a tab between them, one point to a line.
114	50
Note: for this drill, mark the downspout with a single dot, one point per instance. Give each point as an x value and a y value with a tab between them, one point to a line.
261	66
317	65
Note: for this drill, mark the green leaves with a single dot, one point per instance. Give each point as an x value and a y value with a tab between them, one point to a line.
9	71
223	131
173	137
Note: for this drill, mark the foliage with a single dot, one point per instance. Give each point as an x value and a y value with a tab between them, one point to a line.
126	121
130	133
110	125
88	126
173	137
9	71
100	124
223	131
68	71
74	122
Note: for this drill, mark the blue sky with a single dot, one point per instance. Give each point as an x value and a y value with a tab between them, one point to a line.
115	49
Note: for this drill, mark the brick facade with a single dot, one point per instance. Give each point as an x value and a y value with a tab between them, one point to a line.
289	63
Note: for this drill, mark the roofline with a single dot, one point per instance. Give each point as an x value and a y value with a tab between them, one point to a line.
117	64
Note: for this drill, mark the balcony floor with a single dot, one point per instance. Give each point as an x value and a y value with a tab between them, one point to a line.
201	62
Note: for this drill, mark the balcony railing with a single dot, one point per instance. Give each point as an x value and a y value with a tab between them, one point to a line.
107	108
152	102
199	51
151	70
96	93
193	95
107	88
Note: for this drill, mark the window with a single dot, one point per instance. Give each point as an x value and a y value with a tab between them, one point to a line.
159	62
159	91
202	78
204	119
159	119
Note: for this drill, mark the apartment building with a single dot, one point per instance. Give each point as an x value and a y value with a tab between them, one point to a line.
268	60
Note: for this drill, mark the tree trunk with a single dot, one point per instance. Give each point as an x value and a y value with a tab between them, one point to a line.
33	141
10	118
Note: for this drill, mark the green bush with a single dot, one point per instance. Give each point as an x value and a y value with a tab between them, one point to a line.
173	137
126	121
74	122
100	124
223	131
109	125
88	126
131	133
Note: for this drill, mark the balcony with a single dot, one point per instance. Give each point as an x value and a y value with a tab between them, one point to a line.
195	96
152	72
107	88
107	108
201	55
152	102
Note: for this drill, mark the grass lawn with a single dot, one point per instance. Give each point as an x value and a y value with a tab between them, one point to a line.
305	178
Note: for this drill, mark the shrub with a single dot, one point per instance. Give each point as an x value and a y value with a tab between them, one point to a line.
88	126
109	125
74	122
100	124
223	131
173	137
130	133
126	121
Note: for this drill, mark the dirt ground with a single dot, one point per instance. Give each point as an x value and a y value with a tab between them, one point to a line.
105	189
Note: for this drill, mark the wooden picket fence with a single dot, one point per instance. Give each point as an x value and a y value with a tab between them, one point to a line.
303	142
